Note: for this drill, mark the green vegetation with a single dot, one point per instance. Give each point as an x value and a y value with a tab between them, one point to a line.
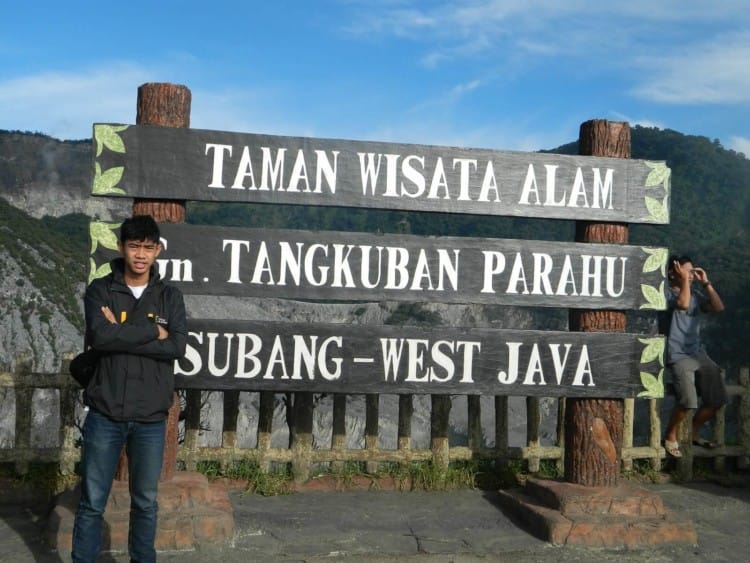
480	474
51	254
277	481
642	471
41	478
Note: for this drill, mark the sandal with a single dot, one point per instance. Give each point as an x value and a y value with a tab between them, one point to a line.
703	443
672	448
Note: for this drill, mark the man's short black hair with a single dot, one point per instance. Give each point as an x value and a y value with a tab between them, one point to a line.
680	259
140	228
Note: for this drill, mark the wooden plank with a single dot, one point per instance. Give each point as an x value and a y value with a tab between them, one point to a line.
194	164
368	267
369	359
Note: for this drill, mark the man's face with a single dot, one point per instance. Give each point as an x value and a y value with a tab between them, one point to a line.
686	271
139	256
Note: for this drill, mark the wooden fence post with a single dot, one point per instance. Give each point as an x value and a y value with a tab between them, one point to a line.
439	423
24	398
167	105
301	438
743	462
405	416
338	428
372	422
474	429
594	427
501	432
265	429
533	423
654	434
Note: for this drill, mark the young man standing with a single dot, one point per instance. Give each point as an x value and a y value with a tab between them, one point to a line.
139	325
694	373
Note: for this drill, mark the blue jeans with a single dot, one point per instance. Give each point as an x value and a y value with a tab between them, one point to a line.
103	440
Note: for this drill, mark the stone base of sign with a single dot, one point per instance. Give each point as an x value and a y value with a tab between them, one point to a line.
609	517
192	512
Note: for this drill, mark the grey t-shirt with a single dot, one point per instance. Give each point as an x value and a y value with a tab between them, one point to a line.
684	338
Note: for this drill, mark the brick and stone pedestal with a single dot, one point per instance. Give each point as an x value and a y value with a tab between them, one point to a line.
192	512
610	517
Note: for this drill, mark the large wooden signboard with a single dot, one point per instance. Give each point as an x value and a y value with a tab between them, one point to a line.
192	164
337	358
367	267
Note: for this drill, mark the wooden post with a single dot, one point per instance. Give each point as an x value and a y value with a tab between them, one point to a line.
533	423
474	430
439	424
372	423
338	430
654	435
405	416
301	438
627	436
743	461
167	105
501	432
594	427
229	430
24	396
265	428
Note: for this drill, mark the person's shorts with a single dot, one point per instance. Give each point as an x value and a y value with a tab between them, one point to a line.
697	376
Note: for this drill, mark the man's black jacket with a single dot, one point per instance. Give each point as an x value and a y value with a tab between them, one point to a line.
134	380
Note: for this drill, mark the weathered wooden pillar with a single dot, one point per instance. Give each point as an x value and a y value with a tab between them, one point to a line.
167	105
594	427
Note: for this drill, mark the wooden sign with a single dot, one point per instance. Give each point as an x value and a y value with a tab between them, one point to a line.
337	358
349	266
192	164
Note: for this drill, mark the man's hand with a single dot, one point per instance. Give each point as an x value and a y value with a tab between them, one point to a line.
163	332
109	315
700	275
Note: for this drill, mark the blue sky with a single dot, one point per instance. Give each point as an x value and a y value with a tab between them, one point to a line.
507	75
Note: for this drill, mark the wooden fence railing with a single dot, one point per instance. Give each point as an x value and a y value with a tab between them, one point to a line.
302	455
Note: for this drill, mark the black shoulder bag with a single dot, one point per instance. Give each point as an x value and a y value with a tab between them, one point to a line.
83	366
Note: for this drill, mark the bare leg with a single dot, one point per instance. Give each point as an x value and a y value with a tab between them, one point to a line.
703	415
678	415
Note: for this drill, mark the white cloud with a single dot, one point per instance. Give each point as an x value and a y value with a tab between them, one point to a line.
740	144
66	104
714	73
454	30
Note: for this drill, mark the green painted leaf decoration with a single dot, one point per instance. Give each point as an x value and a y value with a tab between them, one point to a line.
107	136
657	260
106	182
659	175
654	350
654	385
99	272
103	234
654	297
657	210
